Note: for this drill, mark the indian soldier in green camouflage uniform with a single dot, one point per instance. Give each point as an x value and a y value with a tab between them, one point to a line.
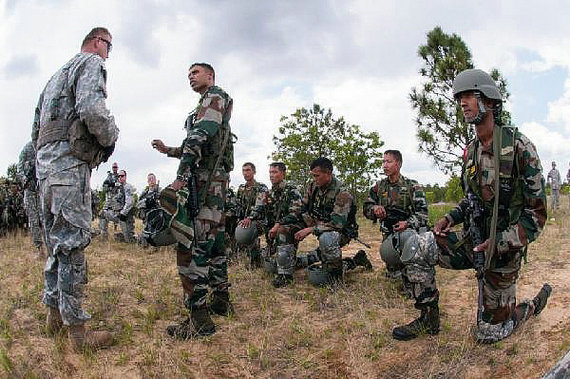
246	197
397	202
207	153
27	176
521	214
279	209
328	213
75	94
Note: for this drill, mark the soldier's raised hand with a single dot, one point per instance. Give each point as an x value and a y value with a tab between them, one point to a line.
159	145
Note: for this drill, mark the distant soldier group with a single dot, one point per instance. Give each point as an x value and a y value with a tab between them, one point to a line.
504	209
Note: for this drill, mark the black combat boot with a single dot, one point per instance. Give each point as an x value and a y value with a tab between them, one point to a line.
541	298
220	303
336	277
428	322
282	280
360	259
254	261
199	324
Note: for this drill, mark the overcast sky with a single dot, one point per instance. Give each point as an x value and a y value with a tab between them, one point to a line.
358	58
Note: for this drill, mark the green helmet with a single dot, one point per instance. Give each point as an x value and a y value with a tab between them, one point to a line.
317	276
246	236
157	230
476	80
391	248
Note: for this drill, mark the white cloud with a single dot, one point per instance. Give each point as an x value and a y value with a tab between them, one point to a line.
357	57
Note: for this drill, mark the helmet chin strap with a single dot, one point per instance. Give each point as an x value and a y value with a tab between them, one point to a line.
482	111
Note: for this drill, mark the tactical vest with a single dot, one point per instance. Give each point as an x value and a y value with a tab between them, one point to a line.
510	182
83	145
404	195
321	207
222	143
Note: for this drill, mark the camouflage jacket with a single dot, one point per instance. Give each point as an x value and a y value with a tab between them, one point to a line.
282	204
522	198
246	198
554	179
78	89
127	198
207	126
112	192
27	167
403	200
328	209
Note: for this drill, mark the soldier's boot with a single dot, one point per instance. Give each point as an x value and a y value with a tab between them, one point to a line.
428	322
255	260
541	298
53	321
336	277
282	280
361	259
199	324
82	339
220	303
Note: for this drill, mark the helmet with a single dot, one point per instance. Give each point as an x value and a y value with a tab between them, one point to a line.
246	236
476	80
317	275
391	248
157	230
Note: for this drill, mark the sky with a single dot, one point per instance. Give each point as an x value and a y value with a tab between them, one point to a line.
357	57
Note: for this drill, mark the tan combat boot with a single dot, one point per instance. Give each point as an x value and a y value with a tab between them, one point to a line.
53	321
82	339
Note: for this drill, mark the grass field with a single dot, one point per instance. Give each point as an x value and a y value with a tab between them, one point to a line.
301	331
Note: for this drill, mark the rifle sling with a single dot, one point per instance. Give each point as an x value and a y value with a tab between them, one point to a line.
497	145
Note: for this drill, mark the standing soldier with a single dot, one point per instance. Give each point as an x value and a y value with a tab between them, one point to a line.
246	197
27	176
398	203
73	132
122	211
496	229
280	208
555	183
206	155
147	201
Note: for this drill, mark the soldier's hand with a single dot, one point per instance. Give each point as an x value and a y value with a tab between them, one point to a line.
159	145
400	225
177	184
441	227
379	212
482	247
301	234
245	223
273	231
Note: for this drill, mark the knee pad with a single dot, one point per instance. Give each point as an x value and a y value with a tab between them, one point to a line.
329	246
420	249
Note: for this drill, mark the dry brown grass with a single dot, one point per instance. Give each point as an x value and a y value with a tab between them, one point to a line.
300	331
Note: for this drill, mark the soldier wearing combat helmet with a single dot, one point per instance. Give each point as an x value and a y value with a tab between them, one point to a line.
506	224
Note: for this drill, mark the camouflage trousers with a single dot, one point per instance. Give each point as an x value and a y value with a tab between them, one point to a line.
65	200
455	252
32	204
555	197
127	227
204	265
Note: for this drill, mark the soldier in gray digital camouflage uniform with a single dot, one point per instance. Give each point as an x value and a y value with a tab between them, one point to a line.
72	109
27	176
123	212
555	182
